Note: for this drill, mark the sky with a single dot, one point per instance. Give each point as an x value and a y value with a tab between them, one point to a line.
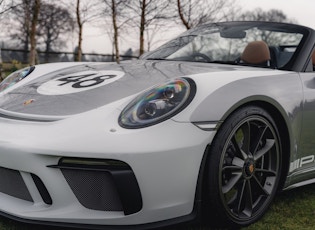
96	40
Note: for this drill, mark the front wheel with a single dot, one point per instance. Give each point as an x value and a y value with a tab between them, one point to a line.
244	166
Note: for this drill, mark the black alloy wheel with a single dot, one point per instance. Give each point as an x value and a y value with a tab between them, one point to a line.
244	168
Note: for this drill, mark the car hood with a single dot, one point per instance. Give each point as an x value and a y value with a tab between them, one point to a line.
83	87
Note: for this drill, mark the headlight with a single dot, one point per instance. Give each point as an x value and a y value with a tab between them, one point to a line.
15	77
158	104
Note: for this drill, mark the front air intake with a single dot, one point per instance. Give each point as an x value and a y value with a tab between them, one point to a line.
102	184
94	190
12	184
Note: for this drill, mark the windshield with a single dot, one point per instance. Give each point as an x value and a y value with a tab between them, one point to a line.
230	44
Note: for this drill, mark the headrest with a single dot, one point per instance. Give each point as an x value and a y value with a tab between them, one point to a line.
256	52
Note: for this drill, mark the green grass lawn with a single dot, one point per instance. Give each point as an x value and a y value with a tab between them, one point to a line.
294	209
291	210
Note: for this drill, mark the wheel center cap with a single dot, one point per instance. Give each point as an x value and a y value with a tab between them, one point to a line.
249	167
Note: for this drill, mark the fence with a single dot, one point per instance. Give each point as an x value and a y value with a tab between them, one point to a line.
13	59
21	56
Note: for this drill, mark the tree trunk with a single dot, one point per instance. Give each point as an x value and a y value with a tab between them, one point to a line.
33	55
78	56
181	15
27	20
114	15
47	50
142	27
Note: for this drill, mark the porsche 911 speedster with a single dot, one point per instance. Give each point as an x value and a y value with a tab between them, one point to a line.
212	124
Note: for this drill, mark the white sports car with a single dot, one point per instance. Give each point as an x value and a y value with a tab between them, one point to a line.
212	124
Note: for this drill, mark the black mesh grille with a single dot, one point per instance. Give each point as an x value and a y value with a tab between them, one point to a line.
94	189
12	183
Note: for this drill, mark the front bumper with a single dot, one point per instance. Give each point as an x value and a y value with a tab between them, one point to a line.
165	160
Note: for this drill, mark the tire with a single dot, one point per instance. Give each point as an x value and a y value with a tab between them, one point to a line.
243	168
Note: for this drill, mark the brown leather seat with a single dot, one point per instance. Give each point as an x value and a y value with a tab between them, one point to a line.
313	58
256	52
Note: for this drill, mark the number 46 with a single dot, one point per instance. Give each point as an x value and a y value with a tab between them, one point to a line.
86	80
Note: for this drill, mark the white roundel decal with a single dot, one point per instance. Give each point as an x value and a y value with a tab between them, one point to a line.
78	82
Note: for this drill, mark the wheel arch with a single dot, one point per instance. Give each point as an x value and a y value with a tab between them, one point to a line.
284	133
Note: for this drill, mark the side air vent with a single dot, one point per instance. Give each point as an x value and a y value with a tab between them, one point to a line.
42	189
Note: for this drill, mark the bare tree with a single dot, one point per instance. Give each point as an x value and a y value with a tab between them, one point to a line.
115	9
20	29
6	5
273	15
78	56
34	21
150	34
115	27
85	11
147	13
4	8
195	12
54	21
181	15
